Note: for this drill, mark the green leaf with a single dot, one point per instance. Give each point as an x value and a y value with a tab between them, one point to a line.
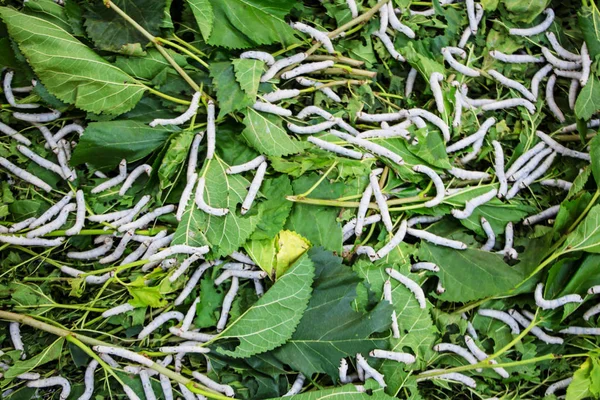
275	209
105	144
469	274
230	95
150	65
203	13
273	319
174	159
248	23
525	11
595	156
584	277
588	100
109	31
579	388
248	73
586	237
330	328
580	181
48	10
69	69
211	299
50	353
589	22
346	392
146	296
265	134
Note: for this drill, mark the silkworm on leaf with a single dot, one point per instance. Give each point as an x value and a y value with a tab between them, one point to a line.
535	30
53	381
405	358
542	216
136	173
501	316
510	83
334	148
370	371
280	64
437	182
254	187
561	51
410	285
451	376
183	118
24	175
555	303
440	241
316	34
558	63
458	350
396	24
157	322
259	55
515	58
586	63
537	78
272	109
559	148
227	302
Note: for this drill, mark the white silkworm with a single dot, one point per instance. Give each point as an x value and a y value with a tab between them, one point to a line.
368	251
537	78
187	393
15	337
165	384
406	358
555	303
562	150
558	63
501	316
93	253
209	383
56	224
524	158
227	301
479	135
580	330
437	182
363	207
515	58
192	282
39	160
586	63
384	18
121	309
124	353
509	103
109	216
526	170
50	142
185	196
471	16
591	312
542	216
79	216
210	130
468	175
53	381
510	83
535	30
594	290
370	371
10	132
272	109
39	118
381	202
310	110
184	266
573	89
508	250
452	376
434	119
316	34
383	117
410	285
65	130
184	349
202	205
467	32
427	266
241	257
410	82
387	296
394	241
491	237
447	53
258	287
550	100
254	187
430	237
557	386
281	94
136	173
23	241
353	8
307	69
458	106
385	133
320	127
130	393
472	204
179	249
8	92
191	335
89	380
24	175
334	148
158	322
326	90
343	371
259	55
113	181
371	147
576	75
248	166
280	64
189	316
296	387
242	274
499	168
193	157
147	218
63	162
109	360
48	214
396	24
389	45
147	385
458	350
119	250
470	328
481	355
423	219
183	118
425	13
561	51
593	123
539	171
434	83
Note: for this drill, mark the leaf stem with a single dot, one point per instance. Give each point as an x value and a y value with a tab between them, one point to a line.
353	204
317	183
166	96
189	46
347	71
184	50
334	83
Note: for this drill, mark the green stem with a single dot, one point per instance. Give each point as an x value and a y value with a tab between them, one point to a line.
184	50
189	46
166	96
584	213
317	183
65	306
355	204
334	83
95	232
95	356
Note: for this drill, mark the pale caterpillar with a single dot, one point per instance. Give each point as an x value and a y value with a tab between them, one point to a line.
136	173
327	91
79	216
39	118
406	358
185	196
119	250
434	83
491	237
573	89
434	119
192	282
310	110
423	219
133	212
472	204
542	216
537	78
259	55
254	187
539	171
410	82
51	212
448	52
586	63
368	370
426	266
480	134
53	381
362	210
93	253
147	218
39	160
65	130
515	58
458	106
526	170
467	32
458	350
193	157
557	386
389	45
310	129
15	337
334	148
178	249
535	30
561	51
191	348
209	383
158	321
451	376
242	274
387	117
296	386
396	24
8	92
371	147
51	226
501	316
468	175
210	130
280	94
509	103
437	182
381	201
555	303
383	18
558	63
24	175
10	132
280	64
124	353
510	83
568	74
227	302
189	316
394	241
430	237
184	266
470	327
241	257
121	309
183	118
562	149
307	69
499	168
580	330
113	181
191	335
593	123
591	312
481	355
410	285
524	158
272	109
316	34
387	296
550	100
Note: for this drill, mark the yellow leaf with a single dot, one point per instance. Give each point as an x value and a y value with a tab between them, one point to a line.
290	247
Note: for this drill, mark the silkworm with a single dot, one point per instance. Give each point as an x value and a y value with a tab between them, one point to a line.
281	94
594	289
63	163
54	225
183	118
39	118
473	203
537	78
131	394
434	119
458	106
368	251
515	58
283	63
481	355
425	13
467	32
524	158
113	181
127	354
10	132
499	168
121	309
191	335
248	166
542	216
310	110
591	312
510	83
434	83
479	135
296	387
227	301
440	289
468	175
405	358
580	330
136	173
387	296
550	100
430	237
242	274
193	157
192	282
15	336
241	257
396	24
65	130
561	51
381	202
47	215
254	187
28	376
109	216
184	266
573	89
109	360
53	381
79	216
454	64
437	182
189	316
187	393
501	316
185	196
387	117
451	376
179	249
353	8
320	127
471	15
491	237
383	18
165	384
93	253
389	45
389	132
307	69
24	175
555	303
539	171
586	64
410	82
558	385
316	34
575	75
147	385
147	218
470	328
363	207
394	241
458	350
593	123
23	241
119	250
343	371
158	321
184	349
531	165
259	55
209	383
127	218
325	90
509	103
371	147
334	148
8	92
410	285
39	160
426	266
423	219
272	109
370	371
210	130
558	63
535	30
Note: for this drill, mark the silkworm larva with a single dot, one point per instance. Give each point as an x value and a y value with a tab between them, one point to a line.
184	349
479	135
467	32
272	109
259	55
524	158
65	130
471	15
53	225
555	303
179	249
192	282
280	64
434	82
50	213
371	147
430	237
539	171
542	216
427	266
39	118
389	45
147	218
316	34
396	24
481	355
185	196
491	237
136	173
183	118
23	241
353	8
280	94
39	160
387	117
381	202
119	250
535	30
184	266
10	132
297	385
193	157
410	82
187	393
89	380
557	386
434	119
24	175
586	63
510	83
501	316
454	64
468	175
591	312
550	100
227	301
210	130
580	330
405	358
573	90
310	129
121	309
209	383
8	92
394	241
515	58
113	181
158	321
124	353
334	148
254	187
472	204
410	285
458	350
437	182
509	103
368	370
537	78
383	18
79	216
53	381
526	170
561	51
422	219
15	336
558	63
93	253
452	376
310	110
307	69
